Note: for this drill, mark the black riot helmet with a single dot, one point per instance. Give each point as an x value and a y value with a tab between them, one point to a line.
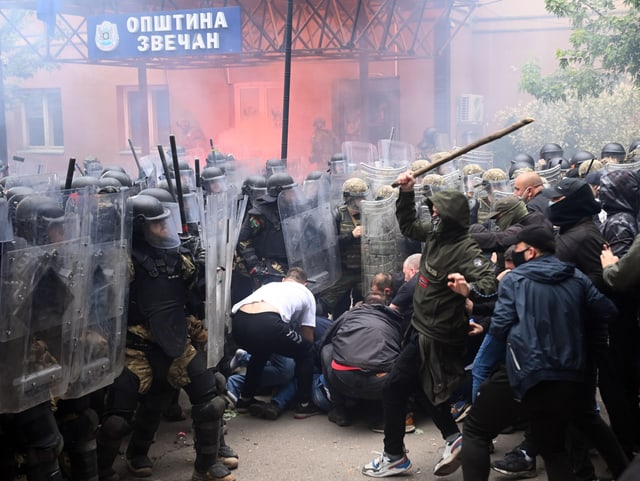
216	158
279	182
615	150
550	150
581	156
523	158
254	183
275	166
36	217
112	168
213	179
153	221
122	177
162	195
561	161
82	181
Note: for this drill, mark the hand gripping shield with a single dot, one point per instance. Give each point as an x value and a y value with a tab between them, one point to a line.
42	295
98	356
310	235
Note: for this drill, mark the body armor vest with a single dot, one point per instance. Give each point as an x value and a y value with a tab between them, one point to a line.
351	256
157	298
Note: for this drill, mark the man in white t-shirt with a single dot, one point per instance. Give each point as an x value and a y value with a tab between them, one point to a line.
278	318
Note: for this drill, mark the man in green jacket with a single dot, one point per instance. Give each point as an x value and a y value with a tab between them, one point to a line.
452	269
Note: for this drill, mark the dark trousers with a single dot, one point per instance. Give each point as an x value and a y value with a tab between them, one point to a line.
265	334
493	410
401	383
548	405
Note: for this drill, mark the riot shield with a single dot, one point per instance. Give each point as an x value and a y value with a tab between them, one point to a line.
220	230
635	166
381	238
38	182
550	177
480	157
356	153
310	235
98	356
376	177
42	285
395	154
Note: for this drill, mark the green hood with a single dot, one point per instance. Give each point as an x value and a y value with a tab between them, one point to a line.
453	211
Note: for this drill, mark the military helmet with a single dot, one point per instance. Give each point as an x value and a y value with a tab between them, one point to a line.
581	156
419	165
122	177
162	195
433	179
279	182
354	187
34	215
384	192
613	149
587	167
550	150
313	176
214	158
471	169
494	174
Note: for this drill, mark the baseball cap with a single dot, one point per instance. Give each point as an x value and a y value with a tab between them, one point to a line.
538	236
566	187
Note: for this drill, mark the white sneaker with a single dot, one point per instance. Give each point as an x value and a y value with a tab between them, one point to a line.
450	460
382	466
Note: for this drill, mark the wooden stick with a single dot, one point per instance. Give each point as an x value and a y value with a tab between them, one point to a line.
473	145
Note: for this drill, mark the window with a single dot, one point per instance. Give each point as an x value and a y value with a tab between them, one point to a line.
155	112
42	118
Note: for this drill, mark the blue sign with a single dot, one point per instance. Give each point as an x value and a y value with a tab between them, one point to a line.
165	34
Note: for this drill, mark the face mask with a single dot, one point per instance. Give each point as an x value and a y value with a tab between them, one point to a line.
518	257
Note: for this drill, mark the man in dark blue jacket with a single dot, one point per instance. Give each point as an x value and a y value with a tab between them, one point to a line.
539	322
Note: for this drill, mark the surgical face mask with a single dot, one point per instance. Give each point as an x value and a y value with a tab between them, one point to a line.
518	257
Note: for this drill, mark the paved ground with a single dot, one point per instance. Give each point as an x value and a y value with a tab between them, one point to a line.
311	449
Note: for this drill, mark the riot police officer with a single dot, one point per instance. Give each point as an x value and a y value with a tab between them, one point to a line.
261	242
337	298
160	355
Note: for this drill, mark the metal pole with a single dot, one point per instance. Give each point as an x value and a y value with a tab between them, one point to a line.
287	80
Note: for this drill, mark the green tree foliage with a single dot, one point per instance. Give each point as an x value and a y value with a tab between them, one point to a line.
605	51
576	124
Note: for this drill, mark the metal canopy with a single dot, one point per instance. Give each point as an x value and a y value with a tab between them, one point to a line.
322	29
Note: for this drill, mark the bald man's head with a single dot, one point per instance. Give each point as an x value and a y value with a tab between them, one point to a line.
527	185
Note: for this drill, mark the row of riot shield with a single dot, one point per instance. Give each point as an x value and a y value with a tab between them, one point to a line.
63	291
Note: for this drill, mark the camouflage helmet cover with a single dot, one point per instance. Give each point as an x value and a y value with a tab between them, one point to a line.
355	187
494	174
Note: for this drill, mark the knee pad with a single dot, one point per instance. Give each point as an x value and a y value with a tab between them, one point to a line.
115	427
80	428
211	410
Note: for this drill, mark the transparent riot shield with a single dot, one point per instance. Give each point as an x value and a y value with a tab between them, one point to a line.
356	153
635	166
480	157
376	177
395	154
381	238
550	177
310	235
220	235
42	285
98	356
38	182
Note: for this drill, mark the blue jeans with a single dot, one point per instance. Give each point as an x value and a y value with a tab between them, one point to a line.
278	372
